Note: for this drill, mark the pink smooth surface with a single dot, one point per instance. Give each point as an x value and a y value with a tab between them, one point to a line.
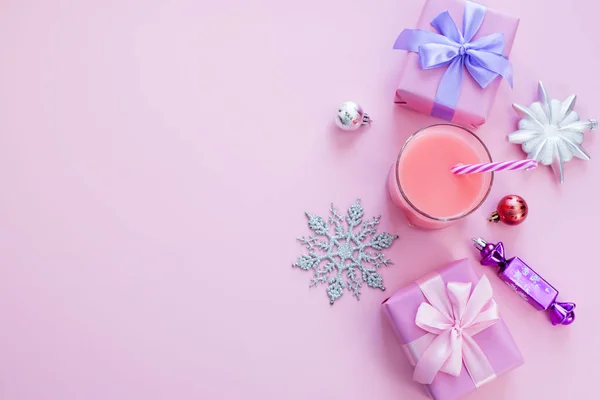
156	158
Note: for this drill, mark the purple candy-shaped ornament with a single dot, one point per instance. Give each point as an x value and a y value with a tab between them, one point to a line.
526	282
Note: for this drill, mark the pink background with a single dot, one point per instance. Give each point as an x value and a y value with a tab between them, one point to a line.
156	158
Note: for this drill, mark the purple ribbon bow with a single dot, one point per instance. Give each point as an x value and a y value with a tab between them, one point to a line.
483	57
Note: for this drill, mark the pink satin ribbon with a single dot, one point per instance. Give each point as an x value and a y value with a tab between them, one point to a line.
452	316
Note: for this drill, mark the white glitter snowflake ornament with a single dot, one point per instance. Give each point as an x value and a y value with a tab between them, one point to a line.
345	252
551	132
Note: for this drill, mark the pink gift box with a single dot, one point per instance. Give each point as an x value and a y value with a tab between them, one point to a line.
417	87
495	341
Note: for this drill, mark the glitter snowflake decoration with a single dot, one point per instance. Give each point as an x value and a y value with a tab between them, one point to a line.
345	252
551	132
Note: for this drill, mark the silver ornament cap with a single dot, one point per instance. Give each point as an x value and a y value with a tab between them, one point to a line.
351	116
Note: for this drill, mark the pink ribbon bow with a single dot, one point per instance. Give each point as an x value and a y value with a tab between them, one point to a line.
452	316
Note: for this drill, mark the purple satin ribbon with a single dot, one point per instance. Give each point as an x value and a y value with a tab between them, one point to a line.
483	57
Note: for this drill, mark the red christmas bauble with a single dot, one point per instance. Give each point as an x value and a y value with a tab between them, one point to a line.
511	210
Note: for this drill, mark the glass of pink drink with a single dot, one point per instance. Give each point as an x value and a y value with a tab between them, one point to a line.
421	181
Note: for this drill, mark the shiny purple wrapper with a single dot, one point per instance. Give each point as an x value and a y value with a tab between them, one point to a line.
496	341
528	284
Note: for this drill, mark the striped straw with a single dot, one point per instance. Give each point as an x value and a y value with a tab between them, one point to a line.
462	169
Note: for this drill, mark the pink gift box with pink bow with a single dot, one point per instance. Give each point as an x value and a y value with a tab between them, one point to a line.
449	326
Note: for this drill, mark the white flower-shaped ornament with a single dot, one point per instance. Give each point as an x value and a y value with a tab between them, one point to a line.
551	132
